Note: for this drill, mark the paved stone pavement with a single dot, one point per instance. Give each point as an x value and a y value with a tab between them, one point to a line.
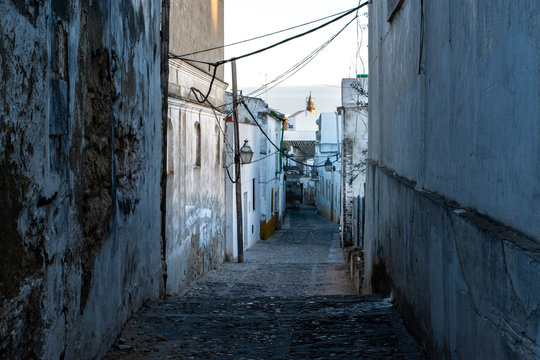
291	299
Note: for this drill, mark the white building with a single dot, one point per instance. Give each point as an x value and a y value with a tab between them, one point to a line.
453	182
299	139
327	148
195	188
263	197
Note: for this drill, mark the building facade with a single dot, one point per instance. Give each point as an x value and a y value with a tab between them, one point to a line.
354	115
263	204
299	142
195	178
453	178
328	184
195	201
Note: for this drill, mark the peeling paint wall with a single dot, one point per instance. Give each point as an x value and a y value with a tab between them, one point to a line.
195	204
451	206
196	195
79	180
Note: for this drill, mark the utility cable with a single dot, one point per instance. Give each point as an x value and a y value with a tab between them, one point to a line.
221	62
259	37
230	177
197	91
298	66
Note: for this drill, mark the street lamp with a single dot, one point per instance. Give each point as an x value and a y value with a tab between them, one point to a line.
327	165
246	153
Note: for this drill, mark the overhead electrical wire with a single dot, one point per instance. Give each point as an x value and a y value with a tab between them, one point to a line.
261	36
298	66
275	82
294	69
221	62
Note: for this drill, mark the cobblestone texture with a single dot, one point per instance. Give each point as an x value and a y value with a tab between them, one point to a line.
291	299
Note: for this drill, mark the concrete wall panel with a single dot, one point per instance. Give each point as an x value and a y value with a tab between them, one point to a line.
452	201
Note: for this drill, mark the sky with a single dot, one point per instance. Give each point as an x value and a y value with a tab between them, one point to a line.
250	18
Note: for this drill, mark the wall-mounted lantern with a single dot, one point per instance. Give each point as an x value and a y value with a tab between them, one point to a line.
327	165
246	153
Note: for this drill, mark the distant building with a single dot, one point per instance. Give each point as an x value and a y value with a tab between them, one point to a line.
263	195
299	140
328	184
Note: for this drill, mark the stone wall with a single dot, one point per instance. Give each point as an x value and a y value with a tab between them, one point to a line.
452	192
79	179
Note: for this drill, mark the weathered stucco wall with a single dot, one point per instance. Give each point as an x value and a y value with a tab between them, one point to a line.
452	192
195	204
196	199
466	126
250	217
79	177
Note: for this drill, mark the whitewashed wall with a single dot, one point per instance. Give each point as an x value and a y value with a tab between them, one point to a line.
195	239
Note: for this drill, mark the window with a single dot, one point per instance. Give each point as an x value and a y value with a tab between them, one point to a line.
197	144
253	193
218	146
170	147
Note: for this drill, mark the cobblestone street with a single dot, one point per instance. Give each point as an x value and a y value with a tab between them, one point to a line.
291	299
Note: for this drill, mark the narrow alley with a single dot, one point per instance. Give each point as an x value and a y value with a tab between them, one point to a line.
292	298
238	179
